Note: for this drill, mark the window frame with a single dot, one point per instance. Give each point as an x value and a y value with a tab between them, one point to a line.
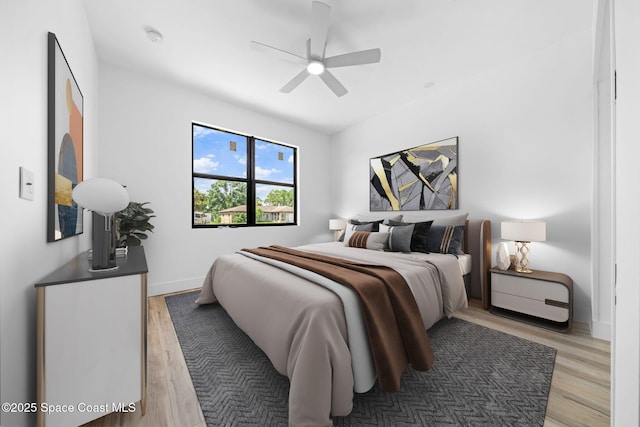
250	180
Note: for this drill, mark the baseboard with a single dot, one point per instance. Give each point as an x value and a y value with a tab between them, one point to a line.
601	330
168	287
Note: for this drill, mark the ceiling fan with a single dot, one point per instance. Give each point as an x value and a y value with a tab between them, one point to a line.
315	61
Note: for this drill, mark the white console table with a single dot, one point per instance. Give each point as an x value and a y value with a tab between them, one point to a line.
92	341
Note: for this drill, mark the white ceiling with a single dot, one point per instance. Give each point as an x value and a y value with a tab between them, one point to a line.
206	46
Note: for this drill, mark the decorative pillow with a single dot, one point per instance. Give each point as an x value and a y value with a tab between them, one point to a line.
445	239
351	228
454	220
375	223
399	236
451	220
364	218
458	219
418	235
368	240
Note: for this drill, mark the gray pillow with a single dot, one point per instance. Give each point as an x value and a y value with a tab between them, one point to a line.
399	237
419	235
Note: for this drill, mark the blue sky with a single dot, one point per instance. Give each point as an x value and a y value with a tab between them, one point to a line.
212	155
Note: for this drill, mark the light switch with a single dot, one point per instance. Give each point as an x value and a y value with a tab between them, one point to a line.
26	184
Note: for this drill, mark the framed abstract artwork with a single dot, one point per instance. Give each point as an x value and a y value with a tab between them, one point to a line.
65	145
419	178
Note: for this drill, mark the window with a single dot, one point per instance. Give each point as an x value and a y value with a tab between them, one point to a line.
240	180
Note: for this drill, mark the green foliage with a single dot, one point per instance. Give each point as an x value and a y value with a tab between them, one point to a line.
279	198
225	195
221	195
133	224
199	200
229	194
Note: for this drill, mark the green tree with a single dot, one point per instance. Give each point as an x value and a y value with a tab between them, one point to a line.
225	195
279	198
199	201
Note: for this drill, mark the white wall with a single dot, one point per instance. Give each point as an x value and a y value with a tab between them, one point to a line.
26	255
146	132
525	151
626	354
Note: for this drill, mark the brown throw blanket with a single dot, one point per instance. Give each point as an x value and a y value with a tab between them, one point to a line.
396	333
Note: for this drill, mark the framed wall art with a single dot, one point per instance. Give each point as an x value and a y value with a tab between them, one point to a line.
65	145
419	178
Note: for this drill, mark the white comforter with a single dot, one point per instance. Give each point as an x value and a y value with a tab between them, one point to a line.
314	334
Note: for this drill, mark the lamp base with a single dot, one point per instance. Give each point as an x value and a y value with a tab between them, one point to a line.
104	243
521	257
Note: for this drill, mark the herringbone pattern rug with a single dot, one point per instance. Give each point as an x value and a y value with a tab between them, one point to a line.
481	377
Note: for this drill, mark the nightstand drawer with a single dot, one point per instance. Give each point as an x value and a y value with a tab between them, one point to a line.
539	290
533	307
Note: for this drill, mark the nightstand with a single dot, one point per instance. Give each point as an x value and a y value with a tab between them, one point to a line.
541	298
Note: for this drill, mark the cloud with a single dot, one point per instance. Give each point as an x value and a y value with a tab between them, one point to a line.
265	173
205	164
290	159
241	159
199	131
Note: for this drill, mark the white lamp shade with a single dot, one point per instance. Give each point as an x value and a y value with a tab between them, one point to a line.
337	224
101	195
524	231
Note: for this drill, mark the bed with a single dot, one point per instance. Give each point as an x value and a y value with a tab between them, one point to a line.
312	329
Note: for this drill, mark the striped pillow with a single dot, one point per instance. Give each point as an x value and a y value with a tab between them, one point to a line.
359	239
445	239
369	240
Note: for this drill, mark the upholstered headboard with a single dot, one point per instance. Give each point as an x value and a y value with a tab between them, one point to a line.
477	243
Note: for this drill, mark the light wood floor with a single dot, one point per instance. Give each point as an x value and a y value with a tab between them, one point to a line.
579	388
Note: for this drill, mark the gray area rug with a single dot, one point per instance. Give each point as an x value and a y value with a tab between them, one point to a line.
481	377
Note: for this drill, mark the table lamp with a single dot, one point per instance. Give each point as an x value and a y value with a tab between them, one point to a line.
104	198
522	232
337	225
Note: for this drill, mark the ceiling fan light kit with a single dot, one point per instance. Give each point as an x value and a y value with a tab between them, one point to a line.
315	67
315	62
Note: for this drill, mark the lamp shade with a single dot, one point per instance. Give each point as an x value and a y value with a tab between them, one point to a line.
101	195
524	231
337	224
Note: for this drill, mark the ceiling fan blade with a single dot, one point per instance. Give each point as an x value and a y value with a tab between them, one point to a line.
369	56
320	14
265	48
295	82
333	83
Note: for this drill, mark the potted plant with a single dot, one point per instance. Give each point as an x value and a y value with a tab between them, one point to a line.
133	224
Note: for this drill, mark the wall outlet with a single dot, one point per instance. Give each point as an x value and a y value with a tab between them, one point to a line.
26	184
